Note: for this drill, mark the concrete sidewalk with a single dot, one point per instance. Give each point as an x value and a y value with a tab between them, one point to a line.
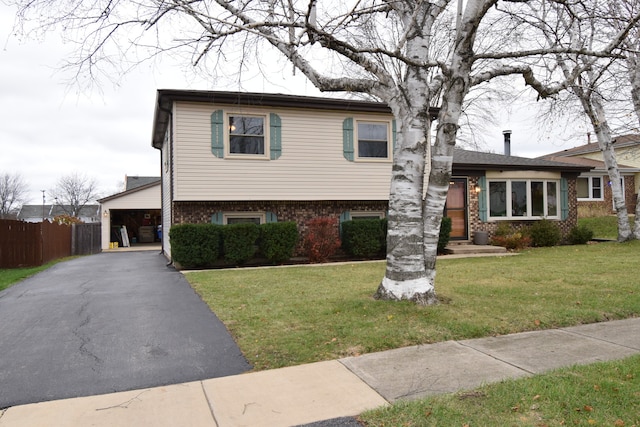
340	388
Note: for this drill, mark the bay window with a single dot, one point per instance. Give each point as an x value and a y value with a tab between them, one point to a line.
523	199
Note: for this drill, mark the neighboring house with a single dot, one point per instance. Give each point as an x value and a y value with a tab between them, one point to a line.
137	208
231	157
35	213
594	187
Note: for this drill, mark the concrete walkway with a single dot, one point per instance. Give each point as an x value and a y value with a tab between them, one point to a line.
340	388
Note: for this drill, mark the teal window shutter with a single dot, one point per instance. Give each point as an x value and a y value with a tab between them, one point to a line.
393	135
344	216
216	218
482	199
275	137
217	133
347	138
564	198
271	217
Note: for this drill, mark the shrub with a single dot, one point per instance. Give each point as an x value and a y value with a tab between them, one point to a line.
363	237
445	233
322	239
545	233
195	245
238	242
579	235
278	240
512	241
507	237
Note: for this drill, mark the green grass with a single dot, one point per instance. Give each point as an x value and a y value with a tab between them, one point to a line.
604	227
602	394
289	316
11	276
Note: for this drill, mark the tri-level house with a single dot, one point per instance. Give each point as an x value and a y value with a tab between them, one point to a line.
594	187
231	157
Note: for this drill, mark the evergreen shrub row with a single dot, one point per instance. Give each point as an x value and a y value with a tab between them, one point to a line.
204	245
367	238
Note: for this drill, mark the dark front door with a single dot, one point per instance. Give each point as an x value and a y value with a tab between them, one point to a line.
456	208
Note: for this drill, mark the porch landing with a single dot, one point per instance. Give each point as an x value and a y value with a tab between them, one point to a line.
474	250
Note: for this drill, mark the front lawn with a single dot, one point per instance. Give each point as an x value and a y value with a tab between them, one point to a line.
602	394
604	227
294	315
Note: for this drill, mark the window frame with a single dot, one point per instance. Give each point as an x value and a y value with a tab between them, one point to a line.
244	214
589	179
356	139
265	136
529	200
367	215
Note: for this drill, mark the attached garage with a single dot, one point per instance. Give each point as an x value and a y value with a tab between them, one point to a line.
132	218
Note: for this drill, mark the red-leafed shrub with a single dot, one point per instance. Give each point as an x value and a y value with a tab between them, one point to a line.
322	239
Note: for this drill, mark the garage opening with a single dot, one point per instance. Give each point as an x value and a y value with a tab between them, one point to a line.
135	227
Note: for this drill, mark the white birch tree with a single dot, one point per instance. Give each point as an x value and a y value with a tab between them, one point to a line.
582	27
410	54
631	46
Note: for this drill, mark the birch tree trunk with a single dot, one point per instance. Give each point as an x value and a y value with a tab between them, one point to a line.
595	111
633	62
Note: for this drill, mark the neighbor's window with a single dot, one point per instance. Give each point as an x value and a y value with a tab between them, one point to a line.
523	199
373	140
246	135
590	188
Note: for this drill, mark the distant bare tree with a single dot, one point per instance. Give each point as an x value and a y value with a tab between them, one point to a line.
13	192
73	192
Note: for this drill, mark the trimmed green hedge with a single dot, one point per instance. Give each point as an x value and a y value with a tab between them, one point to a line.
445	234
278	240
205	245
239	242
195	245
364	237
368	237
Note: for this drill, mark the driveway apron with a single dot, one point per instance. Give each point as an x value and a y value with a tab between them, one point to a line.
105	323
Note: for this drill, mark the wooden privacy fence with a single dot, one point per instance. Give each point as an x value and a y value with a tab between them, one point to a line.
25	244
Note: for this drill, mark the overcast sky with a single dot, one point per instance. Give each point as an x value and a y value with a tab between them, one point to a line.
48	129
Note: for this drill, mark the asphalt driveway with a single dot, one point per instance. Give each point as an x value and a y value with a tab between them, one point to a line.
105	323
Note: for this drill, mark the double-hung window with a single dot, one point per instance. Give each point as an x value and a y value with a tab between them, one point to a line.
373	140
523	199
368	140
246	135
590	188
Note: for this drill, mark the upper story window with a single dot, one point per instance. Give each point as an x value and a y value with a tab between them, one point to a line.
373	140
246	135
367	140
523	199
590	188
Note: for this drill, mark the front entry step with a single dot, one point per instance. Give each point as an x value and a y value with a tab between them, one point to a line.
474	249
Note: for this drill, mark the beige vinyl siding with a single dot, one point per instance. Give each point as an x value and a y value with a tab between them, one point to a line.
628	156
149	198
311	167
